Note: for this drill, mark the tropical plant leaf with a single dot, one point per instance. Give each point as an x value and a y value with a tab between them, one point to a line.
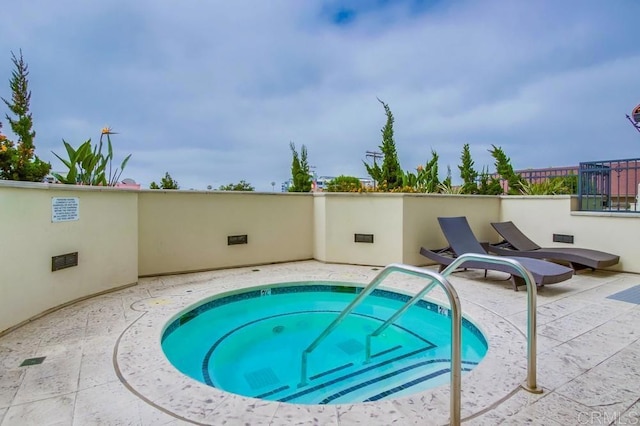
65	162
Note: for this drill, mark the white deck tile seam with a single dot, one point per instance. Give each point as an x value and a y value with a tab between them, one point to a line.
134	391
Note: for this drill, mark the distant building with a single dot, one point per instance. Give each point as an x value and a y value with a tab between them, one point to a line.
286	185
616	182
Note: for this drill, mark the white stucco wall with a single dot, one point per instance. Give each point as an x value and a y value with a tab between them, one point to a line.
540	217
420	220
182	231
105	237
123	234
347	214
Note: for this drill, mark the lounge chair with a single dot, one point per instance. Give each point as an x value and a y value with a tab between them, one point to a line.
461	240
516	243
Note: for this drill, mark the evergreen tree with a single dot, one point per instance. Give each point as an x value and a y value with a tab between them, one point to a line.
505	170
468	174
17	160
488	184
240	186
389	176
167	182
300	176
429	176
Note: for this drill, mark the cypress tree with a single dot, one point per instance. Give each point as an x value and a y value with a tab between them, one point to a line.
388	176
468	174
20	162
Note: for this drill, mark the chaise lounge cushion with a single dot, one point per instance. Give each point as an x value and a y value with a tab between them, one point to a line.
462	240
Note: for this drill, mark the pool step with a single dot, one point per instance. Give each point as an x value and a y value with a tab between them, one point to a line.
371	387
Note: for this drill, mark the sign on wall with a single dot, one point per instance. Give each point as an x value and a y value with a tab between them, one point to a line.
65	209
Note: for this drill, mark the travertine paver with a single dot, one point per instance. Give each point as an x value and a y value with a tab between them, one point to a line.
588	357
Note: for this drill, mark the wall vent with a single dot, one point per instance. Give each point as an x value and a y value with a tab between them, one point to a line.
64	261
232	240
363	238
562	238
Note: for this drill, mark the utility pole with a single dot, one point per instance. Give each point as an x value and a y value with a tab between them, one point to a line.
376	156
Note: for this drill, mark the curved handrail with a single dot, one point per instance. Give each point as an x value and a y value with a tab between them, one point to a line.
456	326
456	319
532	292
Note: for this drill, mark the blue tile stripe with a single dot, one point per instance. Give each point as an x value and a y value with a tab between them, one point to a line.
395	348
207	358
410	384
333	370
365	383
351	375
272	392
322	286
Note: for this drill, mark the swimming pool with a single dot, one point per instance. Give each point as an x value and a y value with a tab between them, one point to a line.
250	343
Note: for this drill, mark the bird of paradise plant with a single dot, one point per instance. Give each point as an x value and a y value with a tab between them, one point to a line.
88	166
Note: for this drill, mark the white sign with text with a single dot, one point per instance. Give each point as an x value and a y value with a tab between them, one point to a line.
65	209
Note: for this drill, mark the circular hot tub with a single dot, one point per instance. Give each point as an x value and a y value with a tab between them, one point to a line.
251	343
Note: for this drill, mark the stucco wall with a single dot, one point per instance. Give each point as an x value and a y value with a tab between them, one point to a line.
540	217
420	220
105	237
349	213
319	229
123	234
182	231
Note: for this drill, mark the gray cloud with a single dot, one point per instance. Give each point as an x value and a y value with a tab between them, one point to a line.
213	92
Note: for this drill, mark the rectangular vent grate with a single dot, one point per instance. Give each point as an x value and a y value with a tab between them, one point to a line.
64	261
232	240
562	238
363	238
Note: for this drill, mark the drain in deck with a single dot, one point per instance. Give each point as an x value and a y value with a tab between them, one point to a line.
32	361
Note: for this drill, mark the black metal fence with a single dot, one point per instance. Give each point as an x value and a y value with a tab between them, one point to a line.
611	185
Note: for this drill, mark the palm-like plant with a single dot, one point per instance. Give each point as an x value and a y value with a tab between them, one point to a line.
88	166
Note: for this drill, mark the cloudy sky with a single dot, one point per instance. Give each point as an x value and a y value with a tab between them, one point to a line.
213	92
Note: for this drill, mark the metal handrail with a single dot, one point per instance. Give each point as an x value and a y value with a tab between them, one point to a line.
456	326
532	292
456	319
395	316
530	384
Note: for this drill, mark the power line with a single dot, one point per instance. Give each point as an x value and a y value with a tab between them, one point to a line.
376	156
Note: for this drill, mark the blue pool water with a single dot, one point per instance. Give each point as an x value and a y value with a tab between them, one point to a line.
250	343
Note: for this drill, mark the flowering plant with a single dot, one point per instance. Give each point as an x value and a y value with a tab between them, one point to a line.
89	166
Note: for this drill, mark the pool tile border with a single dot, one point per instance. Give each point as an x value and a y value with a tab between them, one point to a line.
144	370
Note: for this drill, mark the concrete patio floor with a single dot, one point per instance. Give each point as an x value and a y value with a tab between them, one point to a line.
103	364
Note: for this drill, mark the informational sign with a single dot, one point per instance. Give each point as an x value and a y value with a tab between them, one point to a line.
65	209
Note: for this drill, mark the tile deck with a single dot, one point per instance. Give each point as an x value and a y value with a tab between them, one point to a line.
103	364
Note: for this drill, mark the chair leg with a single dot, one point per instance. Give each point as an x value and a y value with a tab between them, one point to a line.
517	282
